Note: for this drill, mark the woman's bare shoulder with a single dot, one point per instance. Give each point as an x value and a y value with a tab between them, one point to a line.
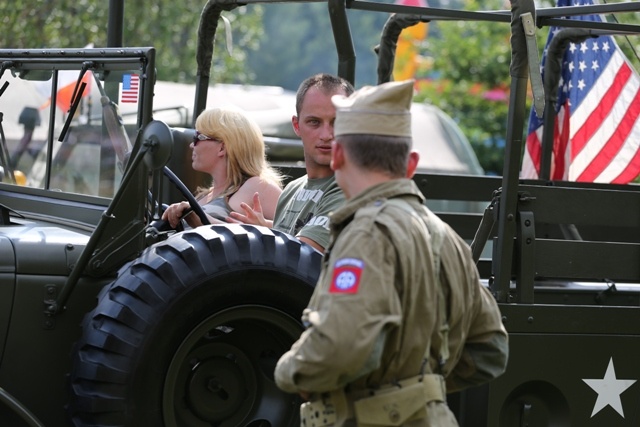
259	184
256	184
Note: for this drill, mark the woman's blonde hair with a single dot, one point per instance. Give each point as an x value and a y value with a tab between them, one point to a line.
244	146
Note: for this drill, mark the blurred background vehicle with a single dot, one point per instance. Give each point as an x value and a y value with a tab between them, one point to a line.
442	146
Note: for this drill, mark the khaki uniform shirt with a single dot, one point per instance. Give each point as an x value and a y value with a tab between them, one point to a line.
374	311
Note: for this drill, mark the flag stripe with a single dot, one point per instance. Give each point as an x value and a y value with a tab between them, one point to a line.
531	160
594	96
602	100
614	144
562	155
633	167
626	160
613	130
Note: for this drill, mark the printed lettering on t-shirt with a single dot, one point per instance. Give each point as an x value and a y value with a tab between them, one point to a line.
346	276
322	221
305	195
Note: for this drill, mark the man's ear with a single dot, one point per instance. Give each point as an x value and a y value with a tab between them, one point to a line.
412	164
337	155
296	124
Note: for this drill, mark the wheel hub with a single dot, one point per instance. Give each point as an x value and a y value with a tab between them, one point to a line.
222	373
217	388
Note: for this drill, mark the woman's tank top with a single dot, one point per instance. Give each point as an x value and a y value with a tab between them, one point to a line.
218	208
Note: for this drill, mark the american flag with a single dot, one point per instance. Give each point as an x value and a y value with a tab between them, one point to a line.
130	87
597	129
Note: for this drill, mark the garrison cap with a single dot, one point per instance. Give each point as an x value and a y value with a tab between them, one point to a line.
375	110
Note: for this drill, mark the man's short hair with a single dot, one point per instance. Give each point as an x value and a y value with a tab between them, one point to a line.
327	83
382	153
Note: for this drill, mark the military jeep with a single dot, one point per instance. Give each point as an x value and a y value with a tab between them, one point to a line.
178	324
107	318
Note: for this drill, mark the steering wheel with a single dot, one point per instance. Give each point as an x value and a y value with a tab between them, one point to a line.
159	134
193	203
161	225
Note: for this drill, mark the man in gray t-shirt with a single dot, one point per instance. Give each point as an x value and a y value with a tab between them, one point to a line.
304	205
303	208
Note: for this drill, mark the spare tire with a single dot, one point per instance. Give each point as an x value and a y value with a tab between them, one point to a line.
189	333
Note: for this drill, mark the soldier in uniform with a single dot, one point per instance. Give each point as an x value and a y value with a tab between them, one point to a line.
399	316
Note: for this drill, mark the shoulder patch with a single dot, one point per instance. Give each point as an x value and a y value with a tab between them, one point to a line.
346	276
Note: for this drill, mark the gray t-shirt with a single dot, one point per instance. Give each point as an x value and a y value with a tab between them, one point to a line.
218	208
303	208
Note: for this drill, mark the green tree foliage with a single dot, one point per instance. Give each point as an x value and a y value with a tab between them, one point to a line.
470	60
468	70
42	23
172	27
298	42
281	44
169	26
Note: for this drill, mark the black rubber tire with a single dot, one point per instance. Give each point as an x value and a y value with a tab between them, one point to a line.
190	332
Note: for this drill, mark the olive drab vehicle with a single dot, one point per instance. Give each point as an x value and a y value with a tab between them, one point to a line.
107	318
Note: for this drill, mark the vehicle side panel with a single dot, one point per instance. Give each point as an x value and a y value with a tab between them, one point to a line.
7	286
555	352
36	358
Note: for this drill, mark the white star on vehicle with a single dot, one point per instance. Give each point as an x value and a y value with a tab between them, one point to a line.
609	390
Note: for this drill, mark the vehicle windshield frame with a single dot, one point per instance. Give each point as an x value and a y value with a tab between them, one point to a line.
104	70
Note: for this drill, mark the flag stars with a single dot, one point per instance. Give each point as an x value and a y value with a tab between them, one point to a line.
583	47
582	65
571	67
605	46
581	84
595	47
572	47
594	65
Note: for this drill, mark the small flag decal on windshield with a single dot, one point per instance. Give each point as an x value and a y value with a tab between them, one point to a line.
130	87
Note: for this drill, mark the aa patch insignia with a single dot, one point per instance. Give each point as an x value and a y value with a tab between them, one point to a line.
346	276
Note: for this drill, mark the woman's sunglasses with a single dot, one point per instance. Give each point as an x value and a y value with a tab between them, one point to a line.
202	137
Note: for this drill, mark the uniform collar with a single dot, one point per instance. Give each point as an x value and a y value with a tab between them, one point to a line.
385	190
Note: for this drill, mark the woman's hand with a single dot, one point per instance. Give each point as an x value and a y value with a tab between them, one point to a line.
176	211
252	215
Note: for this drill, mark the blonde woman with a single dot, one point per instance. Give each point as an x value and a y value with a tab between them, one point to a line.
229	146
